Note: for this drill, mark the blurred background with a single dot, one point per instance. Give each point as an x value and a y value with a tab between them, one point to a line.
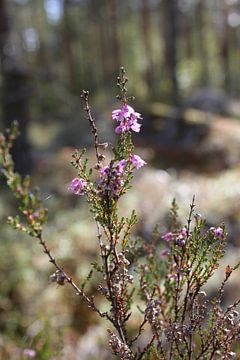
183	61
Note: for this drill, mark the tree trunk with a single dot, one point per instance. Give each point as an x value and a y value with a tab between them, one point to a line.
100	27
224	47
112	7
169	18
68	48
16	90
146	31
203	53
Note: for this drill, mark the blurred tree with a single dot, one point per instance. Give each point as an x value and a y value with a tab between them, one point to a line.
146	31
185	26
68	47
170	19
15	89
224	45
115	44
100	29
103	47
200	14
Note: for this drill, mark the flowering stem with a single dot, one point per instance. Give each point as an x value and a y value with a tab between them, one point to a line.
85	97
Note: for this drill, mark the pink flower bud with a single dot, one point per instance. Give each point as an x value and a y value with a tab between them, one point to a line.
78	186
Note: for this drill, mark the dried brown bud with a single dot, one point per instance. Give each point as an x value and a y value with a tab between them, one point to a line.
58	277
228	270
101	157
97	166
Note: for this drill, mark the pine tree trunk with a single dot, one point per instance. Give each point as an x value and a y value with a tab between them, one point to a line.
16	90
169	18
203	53
146	31
224	47
112	7
68	48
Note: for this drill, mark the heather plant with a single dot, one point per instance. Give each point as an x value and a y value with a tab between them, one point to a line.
164	279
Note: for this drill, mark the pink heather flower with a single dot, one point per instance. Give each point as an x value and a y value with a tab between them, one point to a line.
218	232
120	166
183	232
35	214
111	178
174	276
182	237
181	241
127	118
121	114
116	185
30	353
168	236
78	186
164	253
137	161
105	171
125	112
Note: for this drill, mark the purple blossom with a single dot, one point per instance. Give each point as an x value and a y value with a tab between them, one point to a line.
127	118
30	353
111	178
78	186
174	276
35	215
125	112
120	166
105	171
218	232
164	252
182	236
181	241
168	236
183	232
137	161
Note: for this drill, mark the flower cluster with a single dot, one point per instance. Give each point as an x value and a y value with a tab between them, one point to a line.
112	178
127	118
114	175
118	347
179	236
78	186
30	353
217	232
182	236
137	161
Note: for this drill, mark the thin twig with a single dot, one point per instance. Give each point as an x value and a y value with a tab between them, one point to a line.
140	330
85	97
79	291
147	347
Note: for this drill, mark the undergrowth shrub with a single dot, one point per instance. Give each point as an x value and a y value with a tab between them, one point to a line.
179	320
